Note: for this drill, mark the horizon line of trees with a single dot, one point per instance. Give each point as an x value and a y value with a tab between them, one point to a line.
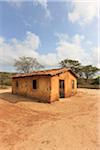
28	64
83	71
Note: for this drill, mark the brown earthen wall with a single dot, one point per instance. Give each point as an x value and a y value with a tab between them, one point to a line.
47	87
67	77
25	87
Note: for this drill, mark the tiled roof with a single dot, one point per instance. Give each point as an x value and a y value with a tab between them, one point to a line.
51	72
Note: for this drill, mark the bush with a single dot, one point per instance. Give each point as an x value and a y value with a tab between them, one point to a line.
5	79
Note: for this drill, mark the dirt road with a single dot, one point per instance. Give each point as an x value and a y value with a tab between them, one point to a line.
70	124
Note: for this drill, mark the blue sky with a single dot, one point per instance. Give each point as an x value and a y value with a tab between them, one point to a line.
49	31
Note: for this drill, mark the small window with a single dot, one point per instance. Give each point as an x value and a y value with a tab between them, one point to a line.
73	82
16	83
34	84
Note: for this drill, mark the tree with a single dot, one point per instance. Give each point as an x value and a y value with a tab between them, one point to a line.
27	64
89	71
74	65
97	80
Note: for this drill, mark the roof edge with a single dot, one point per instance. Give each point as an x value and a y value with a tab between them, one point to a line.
60	70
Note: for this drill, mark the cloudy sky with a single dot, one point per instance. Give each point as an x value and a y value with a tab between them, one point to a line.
49	30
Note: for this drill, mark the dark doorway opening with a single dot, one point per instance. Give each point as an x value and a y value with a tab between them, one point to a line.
61	88
73	86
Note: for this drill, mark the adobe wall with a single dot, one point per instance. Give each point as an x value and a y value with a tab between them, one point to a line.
47	87
25	87
67	77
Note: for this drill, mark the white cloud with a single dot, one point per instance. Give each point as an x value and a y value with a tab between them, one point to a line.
83	11
14	49
72	47
1	40
32	41
66	47
61	36
44	5
95	56
49	59
9	51
77	39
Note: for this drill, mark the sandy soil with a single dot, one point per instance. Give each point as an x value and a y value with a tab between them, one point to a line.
69	124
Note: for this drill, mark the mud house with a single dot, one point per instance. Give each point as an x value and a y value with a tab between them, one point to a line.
46	85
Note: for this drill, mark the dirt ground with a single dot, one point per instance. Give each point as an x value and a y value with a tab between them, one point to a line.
68	124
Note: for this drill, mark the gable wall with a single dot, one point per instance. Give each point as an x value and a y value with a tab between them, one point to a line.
67	77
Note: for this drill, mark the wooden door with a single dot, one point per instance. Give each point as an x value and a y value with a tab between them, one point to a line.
61	89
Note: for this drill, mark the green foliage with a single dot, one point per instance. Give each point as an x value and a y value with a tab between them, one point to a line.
27	64
82	71
70	63
74	65
97	80
89	71
5	79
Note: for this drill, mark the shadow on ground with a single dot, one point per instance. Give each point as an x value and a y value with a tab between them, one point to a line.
14	98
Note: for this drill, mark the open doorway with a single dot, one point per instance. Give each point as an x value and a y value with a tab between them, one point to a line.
61	89
73	86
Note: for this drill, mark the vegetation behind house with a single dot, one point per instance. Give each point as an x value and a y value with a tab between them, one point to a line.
27	64
5	79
